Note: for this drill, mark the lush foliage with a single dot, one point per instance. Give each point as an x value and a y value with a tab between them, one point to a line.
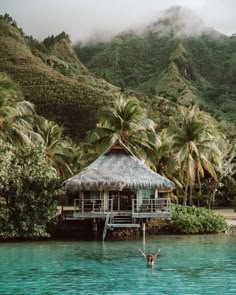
52	40
34	43
181	70
198	157
16	115
27	190
58	150
192	220
127	122
33	152
185	70
43	78
9	20
195	145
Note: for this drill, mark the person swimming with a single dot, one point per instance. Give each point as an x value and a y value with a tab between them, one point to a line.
150	258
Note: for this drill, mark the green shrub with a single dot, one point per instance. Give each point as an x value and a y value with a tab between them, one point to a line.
192	220
27	184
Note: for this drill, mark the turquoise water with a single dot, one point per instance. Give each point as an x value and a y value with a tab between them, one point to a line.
186	265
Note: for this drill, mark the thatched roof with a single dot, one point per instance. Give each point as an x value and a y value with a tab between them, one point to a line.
117	169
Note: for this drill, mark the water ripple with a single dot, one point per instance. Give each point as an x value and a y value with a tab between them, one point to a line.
187	265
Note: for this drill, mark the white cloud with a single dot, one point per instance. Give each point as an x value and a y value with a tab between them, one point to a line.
81	18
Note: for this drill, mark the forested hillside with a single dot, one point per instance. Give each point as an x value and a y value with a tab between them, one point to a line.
52	77
184	62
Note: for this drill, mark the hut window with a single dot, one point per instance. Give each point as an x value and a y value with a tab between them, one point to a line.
91	195
147	193
94	195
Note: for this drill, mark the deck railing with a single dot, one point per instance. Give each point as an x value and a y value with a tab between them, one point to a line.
144	206
151	205
92	206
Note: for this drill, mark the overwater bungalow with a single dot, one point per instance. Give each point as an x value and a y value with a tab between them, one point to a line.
120	189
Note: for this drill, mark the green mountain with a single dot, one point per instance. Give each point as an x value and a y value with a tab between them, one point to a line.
171	62
51	76
177	57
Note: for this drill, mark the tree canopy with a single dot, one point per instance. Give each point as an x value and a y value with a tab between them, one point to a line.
127	122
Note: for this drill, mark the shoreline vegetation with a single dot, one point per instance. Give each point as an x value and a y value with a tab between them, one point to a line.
185	220
182	142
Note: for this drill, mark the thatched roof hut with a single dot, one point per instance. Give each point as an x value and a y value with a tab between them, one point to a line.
117	169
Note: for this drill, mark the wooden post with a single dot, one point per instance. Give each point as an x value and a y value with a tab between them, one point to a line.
102	198
144	234
156	193
104	201
118	201
95	228
62	207
111	205
82	197
137	201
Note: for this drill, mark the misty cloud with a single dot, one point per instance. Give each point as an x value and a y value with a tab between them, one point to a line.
84	20
179	21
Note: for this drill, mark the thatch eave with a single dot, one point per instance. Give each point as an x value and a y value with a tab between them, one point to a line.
117	171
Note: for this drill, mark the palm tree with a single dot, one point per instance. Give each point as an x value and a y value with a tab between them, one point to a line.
58	150
166	163
195	146
127	122
16	115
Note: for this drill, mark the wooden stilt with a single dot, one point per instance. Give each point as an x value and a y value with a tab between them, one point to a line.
95	228
144	235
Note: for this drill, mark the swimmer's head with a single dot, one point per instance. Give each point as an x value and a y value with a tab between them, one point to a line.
150	259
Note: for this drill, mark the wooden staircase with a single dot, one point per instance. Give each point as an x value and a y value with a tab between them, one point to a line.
121	220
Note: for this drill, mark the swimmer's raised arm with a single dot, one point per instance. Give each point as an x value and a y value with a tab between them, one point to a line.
142	253
158	251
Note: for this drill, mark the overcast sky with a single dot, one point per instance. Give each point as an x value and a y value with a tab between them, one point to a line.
82	18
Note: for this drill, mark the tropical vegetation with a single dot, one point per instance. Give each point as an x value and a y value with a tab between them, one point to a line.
27	190
179	119
58	149
34	159
193	220
16	115
127	122
170	60
195	145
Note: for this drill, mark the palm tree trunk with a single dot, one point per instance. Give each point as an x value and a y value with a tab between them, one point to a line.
199	182
190	195
212	196
185	194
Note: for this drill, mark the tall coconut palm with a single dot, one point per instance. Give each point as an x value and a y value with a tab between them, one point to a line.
16	115
58	150
127	121
166	163
195	146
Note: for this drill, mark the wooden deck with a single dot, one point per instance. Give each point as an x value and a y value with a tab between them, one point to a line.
158	214
85	209
69	213
151	208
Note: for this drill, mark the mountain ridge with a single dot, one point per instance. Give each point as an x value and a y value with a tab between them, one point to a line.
43	81
69	84
184	68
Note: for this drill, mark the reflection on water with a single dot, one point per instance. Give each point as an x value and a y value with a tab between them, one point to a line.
186	265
